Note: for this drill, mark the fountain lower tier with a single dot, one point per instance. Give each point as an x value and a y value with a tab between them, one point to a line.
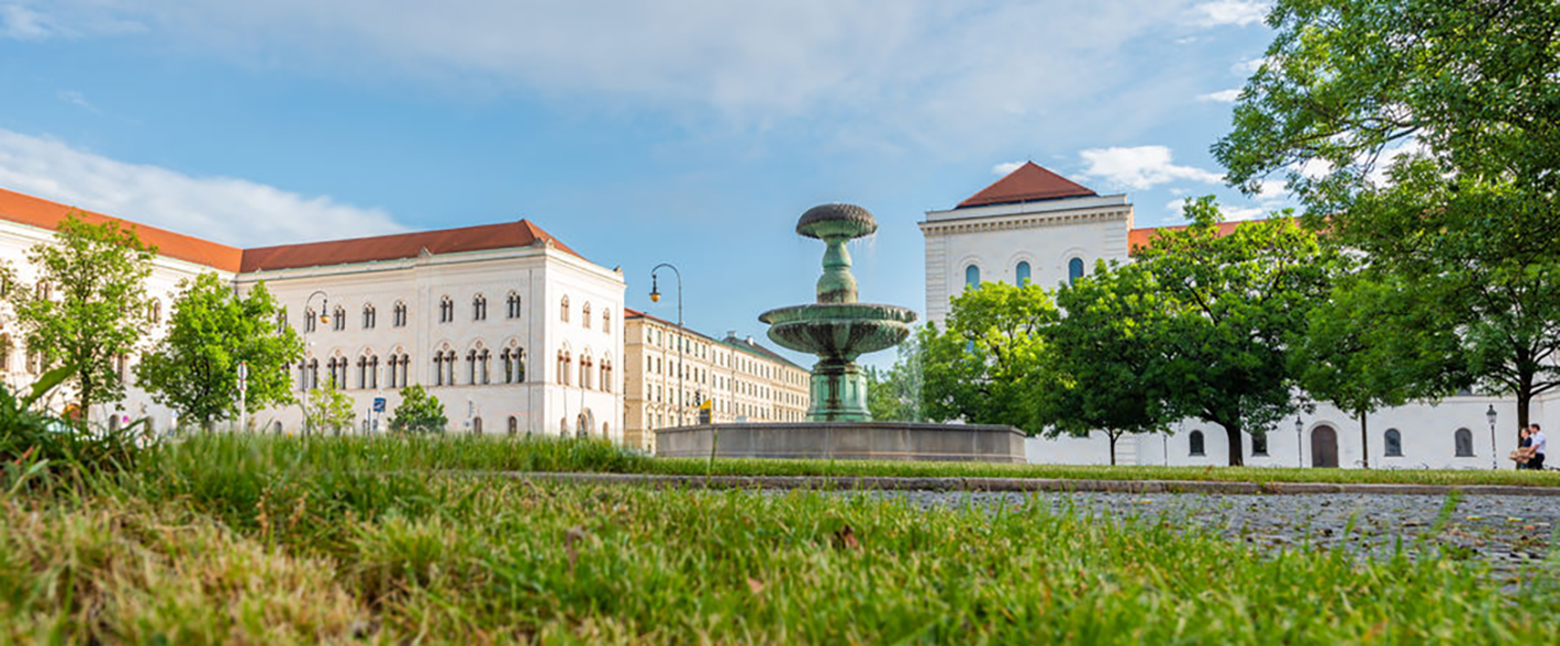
837	333
844	441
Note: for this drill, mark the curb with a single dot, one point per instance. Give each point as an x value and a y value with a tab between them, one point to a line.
887	483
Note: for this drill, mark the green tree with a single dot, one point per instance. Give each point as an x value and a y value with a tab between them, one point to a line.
1468	220
1234	304
1375	343
194	369
419	412
895	394
89	306
328	409
982	368
1103	356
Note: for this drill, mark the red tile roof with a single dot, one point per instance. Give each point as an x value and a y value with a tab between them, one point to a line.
401	245
1029	183
1142	237
44	214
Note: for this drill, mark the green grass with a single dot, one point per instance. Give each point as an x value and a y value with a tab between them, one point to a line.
266	540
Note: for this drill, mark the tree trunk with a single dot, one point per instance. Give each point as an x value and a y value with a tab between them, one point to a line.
1237	454
1113	437
1364	441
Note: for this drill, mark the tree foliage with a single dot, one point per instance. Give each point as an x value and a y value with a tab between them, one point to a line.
194	369
419	412
983	367
328	409
1458	100
88	308
895	394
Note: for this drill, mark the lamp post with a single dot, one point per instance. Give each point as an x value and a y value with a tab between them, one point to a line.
1300	440
655	297
1490	415
307	325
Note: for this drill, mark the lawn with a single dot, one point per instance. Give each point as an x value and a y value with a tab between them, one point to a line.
277	540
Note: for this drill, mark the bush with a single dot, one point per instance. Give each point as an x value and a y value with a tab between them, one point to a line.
419	412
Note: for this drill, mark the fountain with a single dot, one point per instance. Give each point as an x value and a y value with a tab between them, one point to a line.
838	329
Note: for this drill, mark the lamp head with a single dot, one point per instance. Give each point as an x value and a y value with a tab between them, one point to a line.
655	289
1490	414
1299	425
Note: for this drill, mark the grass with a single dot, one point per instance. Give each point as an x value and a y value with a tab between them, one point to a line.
272	540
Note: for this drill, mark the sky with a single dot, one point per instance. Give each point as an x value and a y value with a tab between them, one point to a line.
693	132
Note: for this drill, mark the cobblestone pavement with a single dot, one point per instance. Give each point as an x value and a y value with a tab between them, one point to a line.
1512	534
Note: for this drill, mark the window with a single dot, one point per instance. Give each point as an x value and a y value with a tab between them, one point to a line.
338	319
1259	444
1074	270
585	315
514	426
563	311
1463	438
514	306
514	365
971	277
1394	443
309	320
446	310
606	322
479	308
1197	443
368	317
438	368
281	320
1021	274
563	367
476	425
398	315
155	311
606	375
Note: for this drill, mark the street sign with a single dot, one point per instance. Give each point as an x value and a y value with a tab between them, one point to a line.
379	404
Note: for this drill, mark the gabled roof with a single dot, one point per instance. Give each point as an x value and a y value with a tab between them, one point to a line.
1029	183
750	346
399	246
44	214
1143	237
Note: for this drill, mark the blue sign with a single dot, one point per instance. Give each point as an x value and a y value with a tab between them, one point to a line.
379	404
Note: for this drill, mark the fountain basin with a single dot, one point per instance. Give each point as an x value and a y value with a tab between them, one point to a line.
845	441
839	331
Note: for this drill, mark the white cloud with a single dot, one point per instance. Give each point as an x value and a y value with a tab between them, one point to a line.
1005	167
1231	213
19	22
78	99
24	20
1230	12
232	211
914	72
1222	96
1140	167
1247	68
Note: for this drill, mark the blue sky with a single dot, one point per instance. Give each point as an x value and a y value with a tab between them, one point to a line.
690	131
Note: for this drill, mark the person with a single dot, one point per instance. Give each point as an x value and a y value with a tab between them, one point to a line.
1524	442
1539	446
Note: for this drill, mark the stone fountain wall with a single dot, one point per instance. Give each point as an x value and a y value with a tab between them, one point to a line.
845	441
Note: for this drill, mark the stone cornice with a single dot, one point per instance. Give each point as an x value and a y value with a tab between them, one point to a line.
1024	220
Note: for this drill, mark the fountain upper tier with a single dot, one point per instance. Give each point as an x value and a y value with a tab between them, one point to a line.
836	222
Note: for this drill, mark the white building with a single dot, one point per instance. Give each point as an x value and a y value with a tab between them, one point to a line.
1034	225
464	312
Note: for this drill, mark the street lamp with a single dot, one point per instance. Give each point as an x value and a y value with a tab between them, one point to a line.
307	325
655	297
1490	415
1299	440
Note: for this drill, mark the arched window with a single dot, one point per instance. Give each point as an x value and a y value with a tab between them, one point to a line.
446	309
368	317
606	321
1021	274
563	367
309	321
563	310
1463	439
471	367
1197	443
281	320
155	311
479	308
1074	270
514	426
1259	444
438	368
476	425
971	277
514	365
585	315
514	306
338	319
606	375
398	315
1394	443
484	365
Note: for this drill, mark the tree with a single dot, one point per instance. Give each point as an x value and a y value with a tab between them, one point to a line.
1458	99
895	394
419	412
1229	307
194	369
1374	344
328	408
982	368
1102	354
89	306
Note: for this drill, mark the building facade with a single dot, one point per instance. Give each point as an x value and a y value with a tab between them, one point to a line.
511	329
1036	226
672	372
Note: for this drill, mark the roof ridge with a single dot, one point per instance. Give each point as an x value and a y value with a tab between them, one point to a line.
1029	182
